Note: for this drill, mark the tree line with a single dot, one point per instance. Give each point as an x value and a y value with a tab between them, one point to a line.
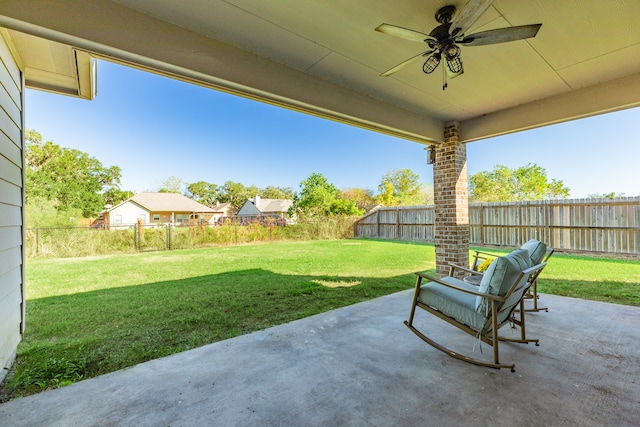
64	185
316	196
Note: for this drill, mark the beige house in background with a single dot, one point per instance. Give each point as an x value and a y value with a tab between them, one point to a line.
258	209
159	208
223	211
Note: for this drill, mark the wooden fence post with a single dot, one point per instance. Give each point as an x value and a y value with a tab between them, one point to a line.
483	231
547	226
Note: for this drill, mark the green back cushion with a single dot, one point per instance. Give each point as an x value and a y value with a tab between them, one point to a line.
536	250
500	276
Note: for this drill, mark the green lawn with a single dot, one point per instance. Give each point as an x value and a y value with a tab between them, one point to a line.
89	316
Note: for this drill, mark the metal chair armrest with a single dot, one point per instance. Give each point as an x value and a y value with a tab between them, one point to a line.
452	286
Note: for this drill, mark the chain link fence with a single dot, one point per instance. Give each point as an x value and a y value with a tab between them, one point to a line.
65	242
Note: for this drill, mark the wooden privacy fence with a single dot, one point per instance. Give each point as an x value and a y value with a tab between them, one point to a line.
598	226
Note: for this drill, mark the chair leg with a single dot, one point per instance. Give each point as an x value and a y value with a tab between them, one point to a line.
534	296
496	364
415	301
523	333
458	355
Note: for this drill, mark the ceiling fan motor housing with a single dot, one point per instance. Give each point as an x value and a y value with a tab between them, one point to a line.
444	15
441	32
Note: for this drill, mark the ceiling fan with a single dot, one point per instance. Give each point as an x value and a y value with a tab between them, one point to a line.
446	39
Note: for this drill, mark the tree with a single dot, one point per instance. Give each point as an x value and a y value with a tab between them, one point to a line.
46	213
111	192
173	184
115	196
402	187
237	194
362	197
612	195
318	197
70	178
509	185
345	207
272	192
204	192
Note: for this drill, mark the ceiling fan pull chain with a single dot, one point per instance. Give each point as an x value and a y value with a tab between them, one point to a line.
444	79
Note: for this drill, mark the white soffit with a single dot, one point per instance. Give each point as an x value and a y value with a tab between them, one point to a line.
54	67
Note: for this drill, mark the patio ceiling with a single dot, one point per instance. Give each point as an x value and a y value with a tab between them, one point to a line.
324	57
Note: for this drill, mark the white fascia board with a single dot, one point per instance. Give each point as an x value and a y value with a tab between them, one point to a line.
601	98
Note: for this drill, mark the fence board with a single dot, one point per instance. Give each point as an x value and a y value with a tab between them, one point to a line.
597	226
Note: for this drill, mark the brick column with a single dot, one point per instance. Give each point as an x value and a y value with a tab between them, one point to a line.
451	202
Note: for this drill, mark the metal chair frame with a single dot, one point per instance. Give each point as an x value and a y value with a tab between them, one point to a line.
489	332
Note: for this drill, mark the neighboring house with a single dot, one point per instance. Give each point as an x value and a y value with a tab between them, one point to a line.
259	209
159	208
223	211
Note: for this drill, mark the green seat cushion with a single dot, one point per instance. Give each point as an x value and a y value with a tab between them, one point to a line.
453	303
500	277
536	250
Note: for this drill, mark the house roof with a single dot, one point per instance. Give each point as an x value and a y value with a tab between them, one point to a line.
222	207
168	202
272	205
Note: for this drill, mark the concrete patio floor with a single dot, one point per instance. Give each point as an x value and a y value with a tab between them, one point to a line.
360	366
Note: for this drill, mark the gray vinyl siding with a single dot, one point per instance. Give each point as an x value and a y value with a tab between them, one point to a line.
12	294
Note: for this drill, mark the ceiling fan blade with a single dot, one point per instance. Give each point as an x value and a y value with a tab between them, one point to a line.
501	35
405	63
468	15
405	33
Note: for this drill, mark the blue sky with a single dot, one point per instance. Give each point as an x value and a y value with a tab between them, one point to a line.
153	128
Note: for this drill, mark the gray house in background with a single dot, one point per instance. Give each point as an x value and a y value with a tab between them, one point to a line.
259	209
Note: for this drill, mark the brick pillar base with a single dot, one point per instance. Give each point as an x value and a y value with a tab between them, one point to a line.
451	202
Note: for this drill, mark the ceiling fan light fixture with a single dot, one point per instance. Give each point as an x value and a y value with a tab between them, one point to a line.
452	56
451	51
431	64
455	64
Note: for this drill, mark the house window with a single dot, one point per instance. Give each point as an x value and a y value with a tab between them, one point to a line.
117	219
180	218
156	217
142	218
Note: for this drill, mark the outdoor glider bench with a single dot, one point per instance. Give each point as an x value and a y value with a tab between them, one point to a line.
480	310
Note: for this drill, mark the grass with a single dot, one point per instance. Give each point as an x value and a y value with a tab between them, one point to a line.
90	316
